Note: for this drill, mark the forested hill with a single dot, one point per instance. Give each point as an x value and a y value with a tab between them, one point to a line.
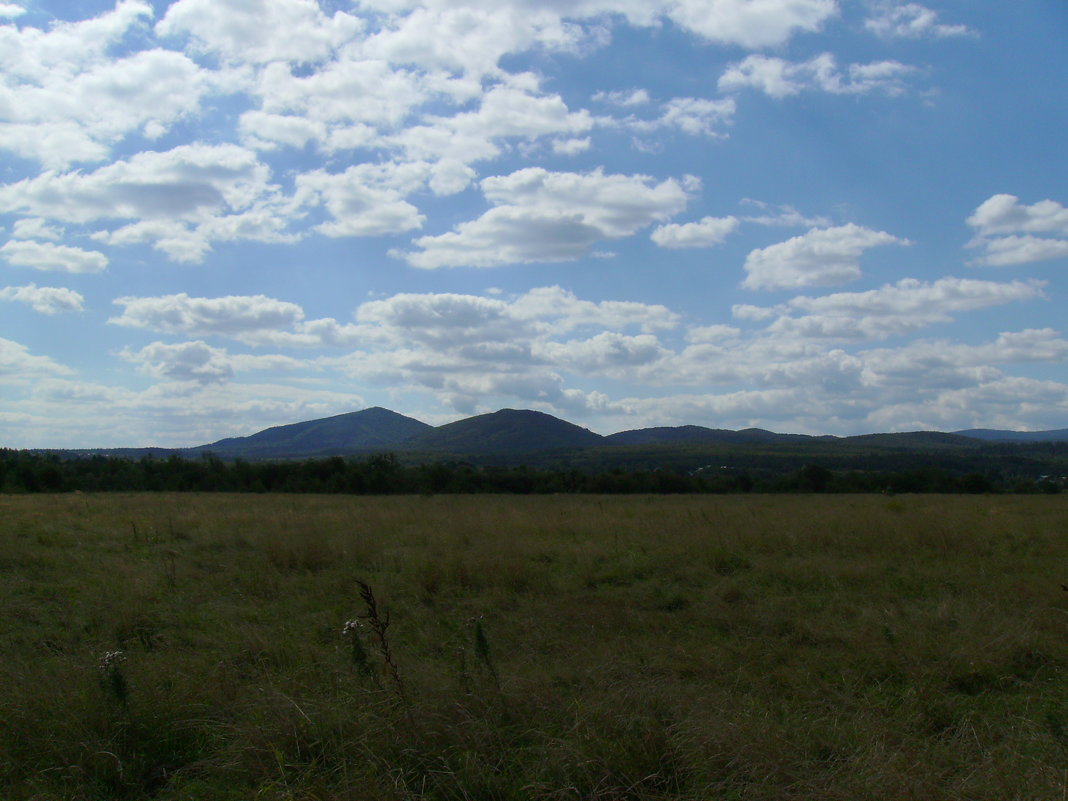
377	450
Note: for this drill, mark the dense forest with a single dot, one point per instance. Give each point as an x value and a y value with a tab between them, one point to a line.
382	474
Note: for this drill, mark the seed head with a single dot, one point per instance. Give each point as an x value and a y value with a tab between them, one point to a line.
351	626
111	660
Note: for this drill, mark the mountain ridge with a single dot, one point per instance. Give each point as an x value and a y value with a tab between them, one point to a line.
525	431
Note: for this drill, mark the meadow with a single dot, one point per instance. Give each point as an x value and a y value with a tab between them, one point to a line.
214	646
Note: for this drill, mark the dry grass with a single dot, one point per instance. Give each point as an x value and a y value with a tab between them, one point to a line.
563	647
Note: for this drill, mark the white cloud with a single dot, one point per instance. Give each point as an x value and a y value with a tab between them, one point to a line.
707	232
49	256
539	215
635	97
182	199
608	353
514	110
11	11
464	348
709	334
190	182
785	216
995	403
31	54
45	299
1004	214
470	39
950	365
893	309
562	311
571	147
697	116
65	100
1006	250
17	364
346	92
251	319
168	414
232	316
820	257
197	361
259	31
779	78
911	21
367	199
186	361
35	228
751	23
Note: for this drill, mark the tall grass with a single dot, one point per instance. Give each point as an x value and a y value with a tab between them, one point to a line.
564	647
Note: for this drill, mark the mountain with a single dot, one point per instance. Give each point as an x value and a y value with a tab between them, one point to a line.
505	431
993	435
371	429
669	435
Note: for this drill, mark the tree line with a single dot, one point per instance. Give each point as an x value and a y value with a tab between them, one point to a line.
384	474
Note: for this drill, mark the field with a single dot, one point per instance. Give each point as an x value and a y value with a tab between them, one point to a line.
560	647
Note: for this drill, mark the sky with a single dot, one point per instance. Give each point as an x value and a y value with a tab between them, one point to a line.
811	216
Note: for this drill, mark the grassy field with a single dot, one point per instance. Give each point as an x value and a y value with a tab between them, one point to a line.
563	647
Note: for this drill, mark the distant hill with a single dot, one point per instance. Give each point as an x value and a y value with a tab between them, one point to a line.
371	429
505	431
913	439
666	435
994	435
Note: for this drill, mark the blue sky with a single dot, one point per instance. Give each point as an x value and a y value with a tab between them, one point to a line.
814	216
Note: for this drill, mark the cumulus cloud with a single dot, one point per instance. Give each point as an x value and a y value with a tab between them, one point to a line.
260	30
36	228
197	361
911	21
45	299
696	116
515	109
822	256
166	414
233	315
1004	214
181	200
188	182
999	219
51	257
366	199
545	216
466	348
779	78
1007	250
252	319
608	353
186	361
706	232
764	23
18	364
892	309
944	364
471	39
66	100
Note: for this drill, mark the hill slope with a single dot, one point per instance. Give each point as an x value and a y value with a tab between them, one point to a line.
505	431
369	429
665	435
993	435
